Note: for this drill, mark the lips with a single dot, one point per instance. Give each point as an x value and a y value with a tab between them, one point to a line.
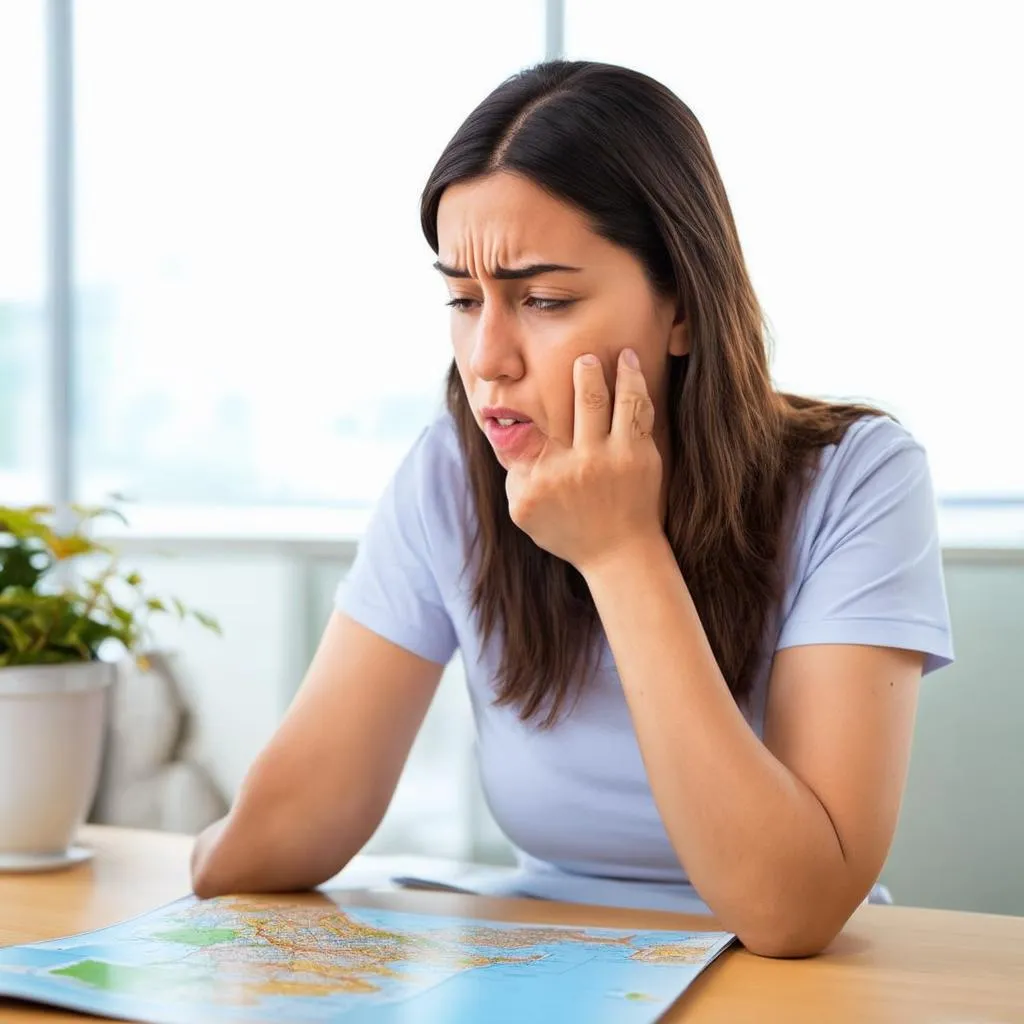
504	414
508	430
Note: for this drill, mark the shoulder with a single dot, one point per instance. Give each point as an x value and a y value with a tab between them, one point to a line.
874	483
877	464
430	490
436	448
866	563
432	471
411	552
871	494
868	445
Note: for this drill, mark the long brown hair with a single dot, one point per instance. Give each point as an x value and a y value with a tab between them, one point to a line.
632	157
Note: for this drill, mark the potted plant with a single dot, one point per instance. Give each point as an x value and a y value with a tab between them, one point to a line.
64	603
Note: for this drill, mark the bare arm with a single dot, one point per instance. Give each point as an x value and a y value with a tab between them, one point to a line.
320	788
784	838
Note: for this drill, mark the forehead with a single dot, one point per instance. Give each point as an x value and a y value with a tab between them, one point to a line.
504	217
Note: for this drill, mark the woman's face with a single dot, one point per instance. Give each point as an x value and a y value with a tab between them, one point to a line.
532	288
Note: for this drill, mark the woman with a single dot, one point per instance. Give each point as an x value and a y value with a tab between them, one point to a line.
694	612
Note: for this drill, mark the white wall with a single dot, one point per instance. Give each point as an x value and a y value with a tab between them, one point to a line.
960	843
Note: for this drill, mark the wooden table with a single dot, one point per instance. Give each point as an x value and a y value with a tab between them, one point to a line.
891	964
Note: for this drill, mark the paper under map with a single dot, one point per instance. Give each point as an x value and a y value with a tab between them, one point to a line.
273	959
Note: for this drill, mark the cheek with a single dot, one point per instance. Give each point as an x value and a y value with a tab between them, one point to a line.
462	349
605	336
556	374
604	330
551	368
595	337
553	354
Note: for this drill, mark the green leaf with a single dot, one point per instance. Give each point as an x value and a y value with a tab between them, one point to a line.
72	545
121	614
24	523
17	568
87	513
20	640
45	621
208	621
92	634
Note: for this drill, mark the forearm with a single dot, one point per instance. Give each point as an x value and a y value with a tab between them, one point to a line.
755	841
237	859
273	843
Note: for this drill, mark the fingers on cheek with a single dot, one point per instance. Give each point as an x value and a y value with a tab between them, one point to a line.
643	418
589	366
637	415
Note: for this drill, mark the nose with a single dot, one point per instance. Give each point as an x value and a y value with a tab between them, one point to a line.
497	353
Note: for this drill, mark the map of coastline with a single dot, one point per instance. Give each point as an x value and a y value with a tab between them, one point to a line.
283	959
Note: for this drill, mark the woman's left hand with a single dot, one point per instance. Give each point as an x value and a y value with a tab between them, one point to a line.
586	502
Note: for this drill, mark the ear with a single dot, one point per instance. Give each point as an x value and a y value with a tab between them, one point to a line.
679	339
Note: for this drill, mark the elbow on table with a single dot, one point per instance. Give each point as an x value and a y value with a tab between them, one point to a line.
783	946
212	879
217	873
222	862
207	882
206	888
792	934
275	850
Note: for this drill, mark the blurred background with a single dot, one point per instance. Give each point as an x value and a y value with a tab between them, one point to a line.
215	300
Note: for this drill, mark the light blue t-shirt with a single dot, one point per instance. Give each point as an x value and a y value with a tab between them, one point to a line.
574	799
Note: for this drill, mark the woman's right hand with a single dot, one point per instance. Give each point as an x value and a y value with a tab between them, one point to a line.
317	792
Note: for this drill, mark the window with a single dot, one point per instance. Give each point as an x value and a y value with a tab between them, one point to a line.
258	322
871	154
22	253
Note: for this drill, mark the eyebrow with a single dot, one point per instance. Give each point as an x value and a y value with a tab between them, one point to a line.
510	273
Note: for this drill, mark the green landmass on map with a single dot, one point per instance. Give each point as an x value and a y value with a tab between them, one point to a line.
131	979
237	951
198	936
110	977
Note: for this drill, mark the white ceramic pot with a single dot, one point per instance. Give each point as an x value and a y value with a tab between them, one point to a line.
52	726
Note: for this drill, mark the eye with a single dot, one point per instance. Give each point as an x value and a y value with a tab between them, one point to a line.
462	305
543	305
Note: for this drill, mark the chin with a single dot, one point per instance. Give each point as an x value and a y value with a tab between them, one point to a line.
503	459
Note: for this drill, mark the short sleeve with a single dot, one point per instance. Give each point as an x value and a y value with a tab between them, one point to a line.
873	571
392	587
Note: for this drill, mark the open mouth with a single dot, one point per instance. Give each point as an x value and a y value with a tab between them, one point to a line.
508	430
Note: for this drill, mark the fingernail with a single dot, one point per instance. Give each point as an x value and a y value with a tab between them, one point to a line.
630	358
589	360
